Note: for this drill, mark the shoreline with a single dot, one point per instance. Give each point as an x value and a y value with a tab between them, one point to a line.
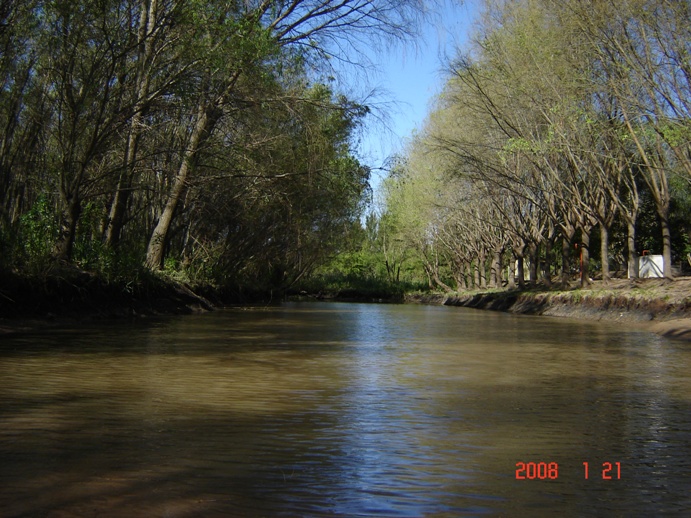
29	303
659	306
32	303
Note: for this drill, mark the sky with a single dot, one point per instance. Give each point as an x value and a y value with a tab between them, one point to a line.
409	79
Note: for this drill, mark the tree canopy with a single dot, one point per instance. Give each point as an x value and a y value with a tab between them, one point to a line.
198	135
560	119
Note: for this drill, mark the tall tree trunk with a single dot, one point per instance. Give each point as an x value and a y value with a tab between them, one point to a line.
118	207
657	181
433	272
459	275
534	261
68	229
495	270
159	237
441	283
71	203
511	274
460	280
631	249
666	243
604	252
565	258
547	264
123	190
390	269
585	257
520	270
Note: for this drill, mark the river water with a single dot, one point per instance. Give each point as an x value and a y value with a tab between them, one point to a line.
323	409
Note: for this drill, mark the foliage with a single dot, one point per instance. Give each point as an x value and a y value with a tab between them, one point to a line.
37	229
558	127
197	137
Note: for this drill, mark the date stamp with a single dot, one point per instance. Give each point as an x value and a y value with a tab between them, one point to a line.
550	471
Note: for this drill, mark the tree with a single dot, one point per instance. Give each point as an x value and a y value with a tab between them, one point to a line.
247	35
21	106
84	49
643	46
157	65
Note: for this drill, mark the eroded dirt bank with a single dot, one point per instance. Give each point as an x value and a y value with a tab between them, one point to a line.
663	306
26	303
29	302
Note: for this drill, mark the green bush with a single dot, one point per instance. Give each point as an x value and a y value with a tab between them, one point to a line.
37	233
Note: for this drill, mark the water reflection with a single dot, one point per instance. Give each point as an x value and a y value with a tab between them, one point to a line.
345	409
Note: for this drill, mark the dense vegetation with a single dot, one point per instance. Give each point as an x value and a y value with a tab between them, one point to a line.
209	139
203	137
564	129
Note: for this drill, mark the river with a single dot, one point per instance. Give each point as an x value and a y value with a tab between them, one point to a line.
329	409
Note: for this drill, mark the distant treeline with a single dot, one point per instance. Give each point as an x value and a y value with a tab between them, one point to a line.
563	134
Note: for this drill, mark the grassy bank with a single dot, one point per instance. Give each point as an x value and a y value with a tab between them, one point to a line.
665	305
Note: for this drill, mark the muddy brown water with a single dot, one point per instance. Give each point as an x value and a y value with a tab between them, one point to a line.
318	409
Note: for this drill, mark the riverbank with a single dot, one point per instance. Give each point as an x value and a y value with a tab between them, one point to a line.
68	295
662	306
72	295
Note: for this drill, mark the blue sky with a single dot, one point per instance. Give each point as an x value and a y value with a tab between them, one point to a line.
409	79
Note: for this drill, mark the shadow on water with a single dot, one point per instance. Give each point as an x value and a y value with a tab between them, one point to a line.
350	410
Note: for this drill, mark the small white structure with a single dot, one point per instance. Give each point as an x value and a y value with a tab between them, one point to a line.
651	266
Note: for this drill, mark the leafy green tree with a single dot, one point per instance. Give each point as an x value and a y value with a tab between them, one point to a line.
549	122
22	112
240	37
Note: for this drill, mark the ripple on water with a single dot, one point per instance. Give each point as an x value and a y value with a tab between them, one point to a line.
352	410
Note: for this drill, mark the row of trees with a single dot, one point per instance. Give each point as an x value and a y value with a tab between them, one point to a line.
197	133
563	118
